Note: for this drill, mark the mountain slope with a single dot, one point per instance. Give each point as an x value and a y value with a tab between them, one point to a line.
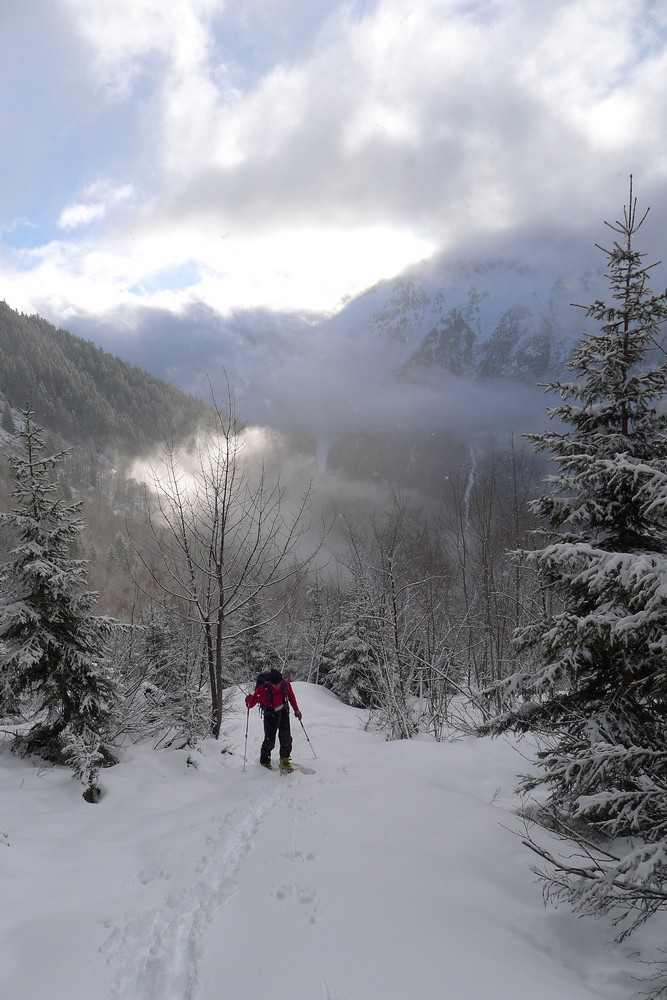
388	873
494	319
85	394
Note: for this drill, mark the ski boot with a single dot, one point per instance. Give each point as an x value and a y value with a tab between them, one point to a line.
267	764
286	765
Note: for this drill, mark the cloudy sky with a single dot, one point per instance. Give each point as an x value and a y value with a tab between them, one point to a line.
290	153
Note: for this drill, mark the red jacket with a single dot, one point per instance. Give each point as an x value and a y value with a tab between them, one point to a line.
269	696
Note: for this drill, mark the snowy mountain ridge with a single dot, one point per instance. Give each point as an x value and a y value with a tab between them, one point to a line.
447	357
493	319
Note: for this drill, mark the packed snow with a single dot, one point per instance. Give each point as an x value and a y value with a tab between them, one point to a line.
394	871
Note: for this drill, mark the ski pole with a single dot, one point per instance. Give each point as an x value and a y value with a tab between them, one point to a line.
245	750
308	738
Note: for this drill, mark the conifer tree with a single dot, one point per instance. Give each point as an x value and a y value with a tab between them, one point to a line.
596	677
349	663
52	648
250	652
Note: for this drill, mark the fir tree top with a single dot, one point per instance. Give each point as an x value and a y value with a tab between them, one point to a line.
612	408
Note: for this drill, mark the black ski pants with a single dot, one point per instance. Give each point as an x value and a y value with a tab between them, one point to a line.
276	723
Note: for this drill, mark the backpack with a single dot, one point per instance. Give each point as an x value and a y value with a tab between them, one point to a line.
263	679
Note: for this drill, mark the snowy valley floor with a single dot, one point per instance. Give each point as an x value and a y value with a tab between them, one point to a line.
391	873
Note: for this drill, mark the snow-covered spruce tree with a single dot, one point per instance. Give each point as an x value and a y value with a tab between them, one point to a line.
52	660
250	652
349	661
597	678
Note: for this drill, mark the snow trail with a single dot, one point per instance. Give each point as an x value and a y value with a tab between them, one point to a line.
158	952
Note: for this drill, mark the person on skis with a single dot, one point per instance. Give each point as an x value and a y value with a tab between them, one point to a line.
275	695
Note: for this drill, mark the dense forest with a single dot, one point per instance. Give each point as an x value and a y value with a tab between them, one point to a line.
86	395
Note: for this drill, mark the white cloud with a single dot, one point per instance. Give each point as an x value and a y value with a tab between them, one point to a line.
296	162
414	114
15	225
108	191
315	269
311	270
82	213
123	35
79	214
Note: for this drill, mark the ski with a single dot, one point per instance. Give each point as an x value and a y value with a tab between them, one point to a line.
302	768
295	767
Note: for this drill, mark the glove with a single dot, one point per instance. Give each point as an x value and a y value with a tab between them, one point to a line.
298	714
248	701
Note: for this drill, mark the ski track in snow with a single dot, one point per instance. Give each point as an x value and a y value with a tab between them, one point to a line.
158	952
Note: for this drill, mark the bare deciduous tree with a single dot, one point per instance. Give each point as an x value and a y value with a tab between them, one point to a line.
398	603
489	516
221	538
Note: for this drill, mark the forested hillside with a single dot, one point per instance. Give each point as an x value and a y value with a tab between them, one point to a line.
85	394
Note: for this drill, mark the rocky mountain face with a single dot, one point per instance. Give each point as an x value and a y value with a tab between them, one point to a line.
466	347
500	320
521	346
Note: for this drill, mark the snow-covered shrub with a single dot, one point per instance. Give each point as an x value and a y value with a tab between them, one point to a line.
82	751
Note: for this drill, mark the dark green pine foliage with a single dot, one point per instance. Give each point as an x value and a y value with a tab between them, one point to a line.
85	394
349	663
594	673
250	651
52	648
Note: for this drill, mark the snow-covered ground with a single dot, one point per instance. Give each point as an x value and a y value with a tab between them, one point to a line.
389	874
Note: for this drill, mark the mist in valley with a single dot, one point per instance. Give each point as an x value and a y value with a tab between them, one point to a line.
351	402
